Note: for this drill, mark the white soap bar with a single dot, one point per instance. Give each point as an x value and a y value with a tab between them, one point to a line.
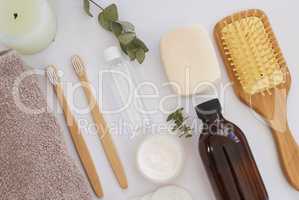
190	60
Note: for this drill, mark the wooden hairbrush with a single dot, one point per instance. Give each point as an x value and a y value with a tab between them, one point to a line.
255	64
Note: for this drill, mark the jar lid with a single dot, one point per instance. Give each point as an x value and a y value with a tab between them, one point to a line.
112	53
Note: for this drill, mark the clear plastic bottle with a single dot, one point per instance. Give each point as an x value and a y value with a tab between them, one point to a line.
122	73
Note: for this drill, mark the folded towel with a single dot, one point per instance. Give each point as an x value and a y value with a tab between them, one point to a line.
34	163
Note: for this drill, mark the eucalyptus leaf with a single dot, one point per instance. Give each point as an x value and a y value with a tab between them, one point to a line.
140	55
132	54
106	24
111	13
126	38
132	46
181	135
136	44
123	48
179	123
170	117
86	5
116	28
127	26
140	43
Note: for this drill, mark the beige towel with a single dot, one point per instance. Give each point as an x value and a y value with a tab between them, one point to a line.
34	163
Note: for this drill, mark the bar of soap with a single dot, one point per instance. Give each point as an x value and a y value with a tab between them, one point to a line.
190	60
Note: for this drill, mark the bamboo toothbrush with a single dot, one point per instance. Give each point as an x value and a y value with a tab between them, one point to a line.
261	78
102	127
77	137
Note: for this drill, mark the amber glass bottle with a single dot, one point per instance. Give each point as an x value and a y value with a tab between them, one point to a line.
227	157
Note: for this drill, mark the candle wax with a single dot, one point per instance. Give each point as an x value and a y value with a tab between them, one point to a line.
27	25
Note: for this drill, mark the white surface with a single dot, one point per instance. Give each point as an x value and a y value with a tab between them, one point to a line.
160	158
78	34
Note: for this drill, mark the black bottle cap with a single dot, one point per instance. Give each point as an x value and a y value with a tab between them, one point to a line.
207	110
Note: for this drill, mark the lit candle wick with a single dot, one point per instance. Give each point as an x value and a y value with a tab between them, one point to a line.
15	15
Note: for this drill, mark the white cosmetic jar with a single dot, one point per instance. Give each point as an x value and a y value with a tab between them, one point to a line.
160	158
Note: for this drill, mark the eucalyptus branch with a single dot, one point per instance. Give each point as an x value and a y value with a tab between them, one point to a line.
97	5
179	123
124	31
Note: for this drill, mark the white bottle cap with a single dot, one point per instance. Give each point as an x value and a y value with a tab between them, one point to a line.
112	53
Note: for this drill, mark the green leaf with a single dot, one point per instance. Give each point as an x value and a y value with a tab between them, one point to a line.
131	46
86	5
126	38
127	26
106	24
111	13
175	115
123	48
107	16
169	118
180	118
175	128
179	125
140	55
140	44
182	135
116	28
132	54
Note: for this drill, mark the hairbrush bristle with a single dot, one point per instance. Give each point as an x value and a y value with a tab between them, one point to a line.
249	49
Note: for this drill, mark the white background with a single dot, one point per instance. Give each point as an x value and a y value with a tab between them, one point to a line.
79	34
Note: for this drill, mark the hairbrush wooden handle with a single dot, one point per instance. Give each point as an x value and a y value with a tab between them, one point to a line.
289	155
103	131
79	143
287	147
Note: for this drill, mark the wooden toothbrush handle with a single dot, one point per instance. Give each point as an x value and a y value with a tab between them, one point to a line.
80	144
103	132
289	155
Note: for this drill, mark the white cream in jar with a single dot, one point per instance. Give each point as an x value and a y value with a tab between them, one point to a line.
160	158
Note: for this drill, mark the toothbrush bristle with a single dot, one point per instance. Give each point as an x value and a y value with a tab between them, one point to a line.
78	65
52	75
248	46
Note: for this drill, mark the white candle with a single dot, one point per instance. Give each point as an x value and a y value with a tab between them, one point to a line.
27	26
